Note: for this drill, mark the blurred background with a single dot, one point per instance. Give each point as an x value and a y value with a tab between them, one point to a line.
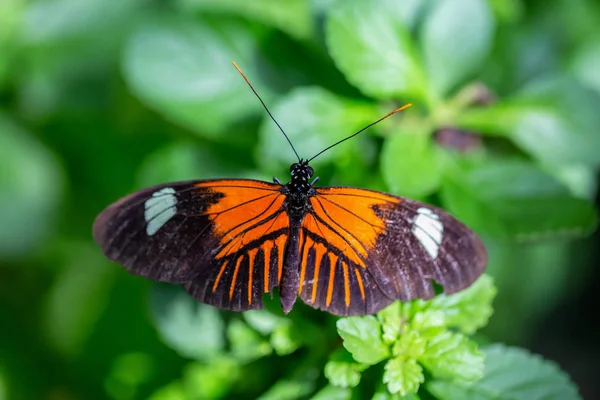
100	98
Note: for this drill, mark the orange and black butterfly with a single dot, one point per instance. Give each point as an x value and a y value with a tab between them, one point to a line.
345	250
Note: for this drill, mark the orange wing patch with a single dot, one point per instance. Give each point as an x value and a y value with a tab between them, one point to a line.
336	241
248	211
353	213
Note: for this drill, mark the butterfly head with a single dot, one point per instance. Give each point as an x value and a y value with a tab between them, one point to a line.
301	173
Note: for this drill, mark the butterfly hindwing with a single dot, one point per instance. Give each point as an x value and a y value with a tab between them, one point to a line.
223	239
364	249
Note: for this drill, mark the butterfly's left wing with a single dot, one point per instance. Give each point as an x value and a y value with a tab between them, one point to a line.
363	249
224	240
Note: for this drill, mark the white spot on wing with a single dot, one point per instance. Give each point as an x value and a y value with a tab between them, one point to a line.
428	230
159	208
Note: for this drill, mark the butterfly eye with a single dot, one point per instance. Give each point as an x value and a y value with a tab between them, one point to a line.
310	171
293	167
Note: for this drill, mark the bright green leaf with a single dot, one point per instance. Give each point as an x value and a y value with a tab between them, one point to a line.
410	345
390	319
284	339
192	329
469	309
246	344
31	186
425	320
264	321
384	394
182	68
371	45
287	390
330	392
313	119
411	164
514	199
171	391
456	37
511	374
291	16
362	337
342	370
453	356
403	375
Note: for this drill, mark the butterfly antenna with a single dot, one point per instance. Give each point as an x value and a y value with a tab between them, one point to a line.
404	107
266	108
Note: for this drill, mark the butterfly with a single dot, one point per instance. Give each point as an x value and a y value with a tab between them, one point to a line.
345	250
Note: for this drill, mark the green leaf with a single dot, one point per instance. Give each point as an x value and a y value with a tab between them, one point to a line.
390	319
287	390
58	21
453	356
292	16
342	370
586	63
554	120
31	188
192	329
284	339
333	393
185	161
457	36
370	43
11	14
362	338
411	163
182	68
410	345
313	119
512	374
264	321
427	320
210	381
246	344
469	309
512	199
384	394
403	375
171	391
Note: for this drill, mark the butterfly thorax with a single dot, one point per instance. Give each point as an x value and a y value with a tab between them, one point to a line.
299	189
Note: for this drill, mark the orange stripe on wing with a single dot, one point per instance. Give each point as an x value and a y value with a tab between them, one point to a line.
216	284
332	263
234	279
346	284
361	286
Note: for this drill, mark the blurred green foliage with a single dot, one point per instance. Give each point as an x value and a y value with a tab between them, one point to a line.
99	98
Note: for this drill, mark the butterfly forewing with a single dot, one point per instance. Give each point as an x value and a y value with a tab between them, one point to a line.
364	249
224	239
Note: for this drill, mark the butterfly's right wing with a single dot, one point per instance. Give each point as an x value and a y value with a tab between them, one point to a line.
224	240
364	249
